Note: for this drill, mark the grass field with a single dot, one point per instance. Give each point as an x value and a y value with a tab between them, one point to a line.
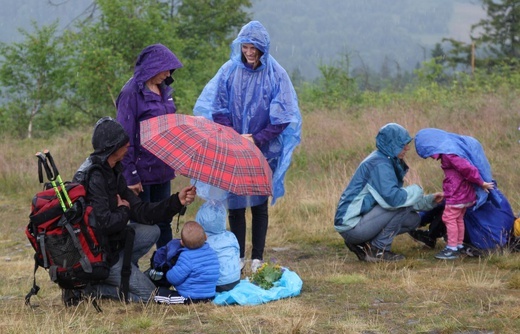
340	294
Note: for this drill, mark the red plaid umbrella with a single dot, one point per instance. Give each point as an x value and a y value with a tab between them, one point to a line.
209	152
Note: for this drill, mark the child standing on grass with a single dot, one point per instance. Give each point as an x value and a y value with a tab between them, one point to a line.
196	271
460	184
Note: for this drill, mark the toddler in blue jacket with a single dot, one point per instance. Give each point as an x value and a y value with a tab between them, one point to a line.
195	274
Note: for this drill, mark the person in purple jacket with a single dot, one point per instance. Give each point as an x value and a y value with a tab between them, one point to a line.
253	94
461	178
148	94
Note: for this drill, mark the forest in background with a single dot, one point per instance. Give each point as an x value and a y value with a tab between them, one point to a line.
63	76
307	33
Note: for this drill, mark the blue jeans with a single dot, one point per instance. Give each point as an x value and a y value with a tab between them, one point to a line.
380	226
155	193
141	287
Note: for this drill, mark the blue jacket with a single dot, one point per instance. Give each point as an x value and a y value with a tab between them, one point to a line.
212	217
196	273
378	180
255	102
136	103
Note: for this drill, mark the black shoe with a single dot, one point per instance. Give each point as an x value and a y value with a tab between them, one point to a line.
358	249
423	238
71	297
380	255
470	251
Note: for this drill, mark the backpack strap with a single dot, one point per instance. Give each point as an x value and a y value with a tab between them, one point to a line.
35	288
126	269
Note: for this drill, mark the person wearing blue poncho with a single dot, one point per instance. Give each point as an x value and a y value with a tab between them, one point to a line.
253	94
488	223
375	206
461	180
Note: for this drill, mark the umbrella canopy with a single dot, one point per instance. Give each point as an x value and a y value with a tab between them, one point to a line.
206	151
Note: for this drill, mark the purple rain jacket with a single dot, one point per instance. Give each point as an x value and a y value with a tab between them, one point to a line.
137	103
460	178
261	102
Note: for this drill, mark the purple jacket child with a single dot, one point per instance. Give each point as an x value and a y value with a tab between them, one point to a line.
136	103
460	177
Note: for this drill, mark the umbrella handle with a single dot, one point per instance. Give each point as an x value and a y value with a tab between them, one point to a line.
181	213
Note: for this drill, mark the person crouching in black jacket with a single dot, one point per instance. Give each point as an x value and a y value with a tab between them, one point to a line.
114	204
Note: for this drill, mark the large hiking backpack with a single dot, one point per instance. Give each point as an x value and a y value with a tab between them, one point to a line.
63	232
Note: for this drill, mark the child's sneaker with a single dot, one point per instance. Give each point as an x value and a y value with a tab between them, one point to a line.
255	264
447	254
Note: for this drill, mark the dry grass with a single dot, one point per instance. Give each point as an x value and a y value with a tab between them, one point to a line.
340	294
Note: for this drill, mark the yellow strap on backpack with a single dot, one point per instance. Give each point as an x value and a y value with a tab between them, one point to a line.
516	228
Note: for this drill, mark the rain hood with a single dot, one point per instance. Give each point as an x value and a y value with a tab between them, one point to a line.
431	141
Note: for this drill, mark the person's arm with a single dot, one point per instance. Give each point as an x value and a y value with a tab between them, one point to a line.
180	271
465	168
127	116
98	196
270	132
150	213
222	119
384	180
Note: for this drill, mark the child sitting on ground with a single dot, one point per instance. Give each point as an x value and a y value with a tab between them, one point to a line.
195	274
212	217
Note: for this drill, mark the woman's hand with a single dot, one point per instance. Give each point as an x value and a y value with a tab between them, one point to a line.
249	137
438	197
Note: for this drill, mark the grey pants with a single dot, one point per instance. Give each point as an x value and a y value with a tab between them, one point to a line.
141	287
380	226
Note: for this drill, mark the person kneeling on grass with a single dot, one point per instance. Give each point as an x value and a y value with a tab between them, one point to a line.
194	276
375	206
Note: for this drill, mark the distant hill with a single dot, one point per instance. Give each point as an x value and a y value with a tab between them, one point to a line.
306	33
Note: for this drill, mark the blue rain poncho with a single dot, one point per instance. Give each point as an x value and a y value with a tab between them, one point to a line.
253	99
432	141
489	222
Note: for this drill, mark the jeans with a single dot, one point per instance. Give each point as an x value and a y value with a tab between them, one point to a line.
155	193
380	226
260	221
141	287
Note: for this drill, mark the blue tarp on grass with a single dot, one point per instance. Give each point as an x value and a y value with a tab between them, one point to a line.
246	293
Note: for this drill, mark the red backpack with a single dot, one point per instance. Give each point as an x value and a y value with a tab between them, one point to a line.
63	232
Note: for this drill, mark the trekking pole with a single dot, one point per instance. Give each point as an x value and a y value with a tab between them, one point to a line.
57	176
42	163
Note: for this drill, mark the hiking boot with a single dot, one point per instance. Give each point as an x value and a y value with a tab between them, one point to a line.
381	255
423	238
447	254
358	249
71	297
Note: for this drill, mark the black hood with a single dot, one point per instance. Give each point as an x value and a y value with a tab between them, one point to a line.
108	137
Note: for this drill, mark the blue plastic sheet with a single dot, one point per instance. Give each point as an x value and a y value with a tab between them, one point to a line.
246	293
